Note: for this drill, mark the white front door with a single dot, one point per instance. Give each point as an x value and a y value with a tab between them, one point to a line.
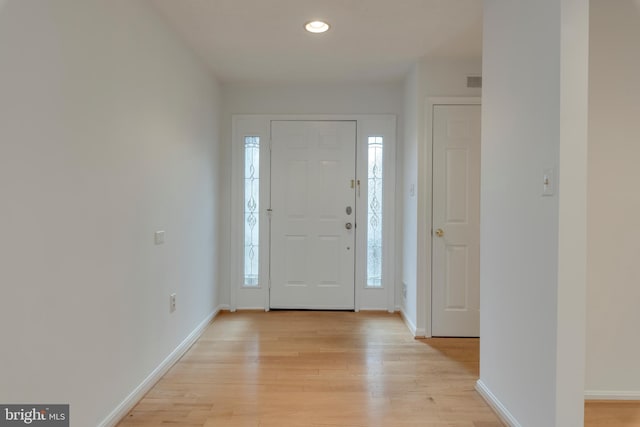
313	214
456	221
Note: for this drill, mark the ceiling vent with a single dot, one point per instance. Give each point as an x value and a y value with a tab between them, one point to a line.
474	81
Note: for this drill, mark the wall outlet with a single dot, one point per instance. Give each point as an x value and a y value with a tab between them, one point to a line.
404	291
172	303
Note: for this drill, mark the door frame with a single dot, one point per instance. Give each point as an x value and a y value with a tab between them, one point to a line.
366	298
425	208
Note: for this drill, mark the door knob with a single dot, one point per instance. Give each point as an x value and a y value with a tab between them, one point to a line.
348	226
439	232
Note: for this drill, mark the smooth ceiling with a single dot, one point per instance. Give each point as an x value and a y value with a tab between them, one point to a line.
258	41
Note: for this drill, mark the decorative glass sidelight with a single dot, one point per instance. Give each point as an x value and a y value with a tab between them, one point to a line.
251	210
374	209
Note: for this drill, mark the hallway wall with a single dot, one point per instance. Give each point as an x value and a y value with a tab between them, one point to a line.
353	98
614	201
427	78
533	246
108	132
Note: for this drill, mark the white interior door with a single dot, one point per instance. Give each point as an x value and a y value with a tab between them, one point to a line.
456	221
312	228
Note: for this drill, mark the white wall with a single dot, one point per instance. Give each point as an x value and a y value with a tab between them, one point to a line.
428	78
409	181
108	132
613	349
529	113
296	99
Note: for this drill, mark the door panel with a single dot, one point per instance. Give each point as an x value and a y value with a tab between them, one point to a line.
456	277
457	185
312	252
456	213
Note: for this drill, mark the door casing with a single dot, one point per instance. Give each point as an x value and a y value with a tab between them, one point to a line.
366	298
425	207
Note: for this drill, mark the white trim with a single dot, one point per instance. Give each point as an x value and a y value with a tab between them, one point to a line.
416	332
367	125
382	297
248	296
611	395
143	388
389	220
407	321
497	406
425	206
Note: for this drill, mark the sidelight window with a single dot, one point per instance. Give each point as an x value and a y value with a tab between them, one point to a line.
374	209
251	210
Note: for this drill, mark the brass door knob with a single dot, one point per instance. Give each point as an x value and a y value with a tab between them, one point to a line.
439	232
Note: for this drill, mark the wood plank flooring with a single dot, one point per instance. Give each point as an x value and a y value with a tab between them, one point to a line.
612	413
288	368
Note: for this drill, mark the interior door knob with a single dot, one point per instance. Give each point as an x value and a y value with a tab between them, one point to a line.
439	232
348	226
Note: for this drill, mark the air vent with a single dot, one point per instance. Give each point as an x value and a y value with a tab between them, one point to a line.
474	81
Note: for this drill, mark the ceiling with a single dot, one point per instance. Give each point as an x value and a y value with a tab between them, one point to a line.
263	41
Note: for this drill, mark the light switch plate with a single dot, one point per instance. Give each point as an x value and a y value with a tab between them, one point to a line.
159	237
172	303
548	182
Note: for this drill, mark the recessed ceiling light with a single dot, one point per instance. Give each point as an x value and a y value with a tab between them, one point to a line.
316	27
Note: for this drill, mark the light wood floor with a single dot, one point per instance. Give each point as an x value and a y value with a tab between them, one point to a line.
324	369
609	414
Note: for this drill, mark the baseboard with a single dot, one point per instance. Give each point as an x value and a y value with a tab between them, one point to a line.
611	395
138	393
496	405
408	322
415	331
